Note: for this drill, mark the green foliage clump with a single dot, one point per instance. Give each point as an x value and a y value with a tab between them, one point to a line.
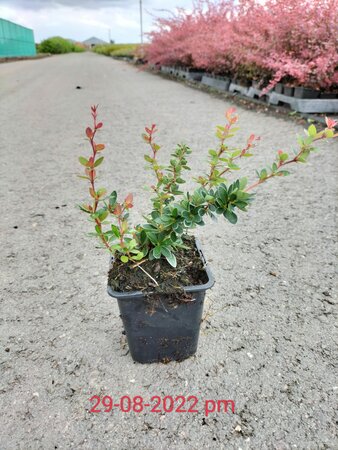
118	50
175	211
58	45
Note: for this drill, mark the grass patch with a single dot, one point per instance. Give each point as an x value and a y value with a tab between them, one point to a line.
120	50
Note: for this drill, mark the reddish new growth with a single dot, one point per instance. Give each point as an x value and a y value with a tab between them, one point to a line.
118	210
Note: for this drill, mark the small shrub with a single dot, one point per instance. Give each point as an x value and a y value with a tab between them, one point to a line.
175	212
58	45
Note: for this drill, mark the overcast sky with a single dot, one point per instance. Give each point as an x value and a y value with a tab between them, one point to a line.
81	19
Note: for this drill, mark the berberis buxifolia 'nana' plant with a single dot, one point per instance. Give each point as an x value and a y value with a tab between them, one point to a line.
175	212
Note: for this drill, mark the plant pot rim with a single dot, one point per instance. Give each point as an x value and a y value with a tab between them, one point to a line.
188	289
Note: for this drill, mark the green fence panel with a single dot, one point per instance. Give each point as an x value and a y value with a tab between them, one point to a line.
15	40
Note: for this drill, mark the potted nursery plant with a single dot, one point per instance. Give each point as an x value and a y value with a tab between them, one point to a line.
158	273
216	81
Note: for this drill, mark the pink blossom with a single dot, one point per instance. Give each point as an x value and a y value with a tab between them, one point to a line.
289	40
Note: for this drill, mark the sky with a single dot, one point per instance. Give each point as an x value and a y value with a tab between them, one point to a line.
82	19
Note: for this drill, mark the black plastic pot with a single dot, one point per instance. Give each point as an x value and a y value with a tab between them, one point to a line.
159	330
190	74
216	82
288	91
328	95
302	92
279	88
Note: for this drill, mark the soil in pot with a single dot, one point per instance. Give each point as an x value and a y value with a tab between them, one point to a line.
190	271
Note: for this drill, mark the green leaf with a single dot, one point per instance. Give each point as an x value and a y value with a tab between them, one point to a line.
233	166
308	140
138	257
284	173
101	192
263	174
312	130
303	157
112	198
103	214
84	208
231	216
98	161
236	153
132	244
242	183
83	161
124	258
170	257
148	159
157	251
212	152
115	230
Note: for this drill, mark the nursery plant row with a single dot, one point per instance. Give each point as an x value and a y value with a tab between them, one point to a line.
284	49
300	99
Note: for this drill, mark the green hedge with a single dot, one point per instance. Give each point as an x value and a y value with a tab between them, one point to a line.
128	50
57	45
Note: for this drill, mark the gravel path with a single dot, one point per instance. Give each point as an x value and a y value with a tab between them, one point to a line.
269	338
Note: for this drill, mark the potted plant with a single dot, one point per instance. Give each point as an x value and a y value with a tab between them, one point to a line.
216	81
306	92
158	273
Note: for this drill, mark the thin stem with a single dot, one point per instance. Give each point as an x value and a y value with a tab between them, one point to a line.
284	163
148	275
138	263
92	182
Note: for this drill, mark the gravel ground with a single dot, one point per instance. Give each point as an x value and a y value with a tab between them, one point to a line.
269	338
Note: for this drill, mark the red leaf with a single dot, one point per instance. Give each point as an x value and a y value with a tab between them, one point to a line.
118	210
129	201
89	133
99	125
230	112
99	147
330	123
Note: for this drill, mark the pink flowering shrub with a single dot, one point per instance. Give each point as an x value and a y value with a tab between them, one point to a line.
288	40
